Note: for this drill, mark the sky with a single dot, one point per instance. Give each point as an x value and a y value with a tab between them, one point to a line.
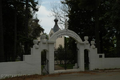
44	14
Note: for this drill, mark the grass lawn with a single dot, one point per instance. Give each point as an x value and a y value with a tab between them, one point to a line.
69	66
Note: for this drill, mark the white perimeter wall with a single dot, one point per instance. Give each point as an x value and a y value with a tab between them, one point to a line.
30	65
18	68
102	63
111	63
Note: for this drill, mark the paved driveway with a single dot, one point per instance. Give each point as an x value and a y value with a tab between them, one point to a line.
99	75
90	75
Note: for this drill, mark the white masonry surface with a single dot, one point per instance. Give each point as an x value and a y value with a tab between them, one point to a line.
32	63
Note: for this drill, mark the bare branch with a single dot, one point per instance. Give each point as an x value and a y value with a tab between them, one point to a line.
60	11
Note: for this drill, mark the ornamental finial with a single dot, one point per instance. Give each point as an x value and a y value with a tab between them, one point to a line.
66	24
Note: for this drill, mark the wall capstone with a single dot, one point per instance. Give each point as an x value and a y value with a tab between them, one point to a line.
93	44
35	44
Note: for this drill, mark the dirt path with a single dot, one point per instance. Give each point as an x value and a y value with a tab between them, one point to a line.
86	75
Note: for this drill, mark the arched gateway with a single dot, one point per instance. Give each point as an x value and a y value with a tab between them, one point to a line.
48	45
72	34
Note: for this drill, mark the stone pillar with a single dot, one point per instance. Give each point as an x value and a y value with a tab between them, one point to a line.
36	57
51	57
81	56
35	60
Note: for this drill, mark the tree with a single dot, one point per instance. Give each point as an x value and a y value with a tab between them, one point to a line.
115	24
71	48
91	7
87	18
34	28
68	53
80	21
59	53
1	35
95	19
60	11
14	24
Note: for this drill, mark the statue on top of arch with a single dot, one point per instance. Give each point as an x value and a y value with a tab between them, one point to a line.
66	24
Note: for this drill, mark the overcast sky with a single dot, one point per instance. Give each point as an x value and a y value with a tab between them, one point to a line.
44	14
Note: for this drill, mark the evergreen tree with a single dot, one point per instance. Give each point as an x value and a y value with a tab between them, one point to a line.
14	18
1	35
115	17
96	19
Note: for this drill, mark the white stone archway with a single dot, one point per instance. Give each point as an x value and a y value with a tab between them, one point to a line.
49	46
80	46
65	32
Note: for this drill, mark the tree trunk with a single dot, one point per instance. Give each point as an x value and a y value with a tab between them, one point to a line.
101	42
15	36
26	14
1	35
97	30
26	29
118	45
